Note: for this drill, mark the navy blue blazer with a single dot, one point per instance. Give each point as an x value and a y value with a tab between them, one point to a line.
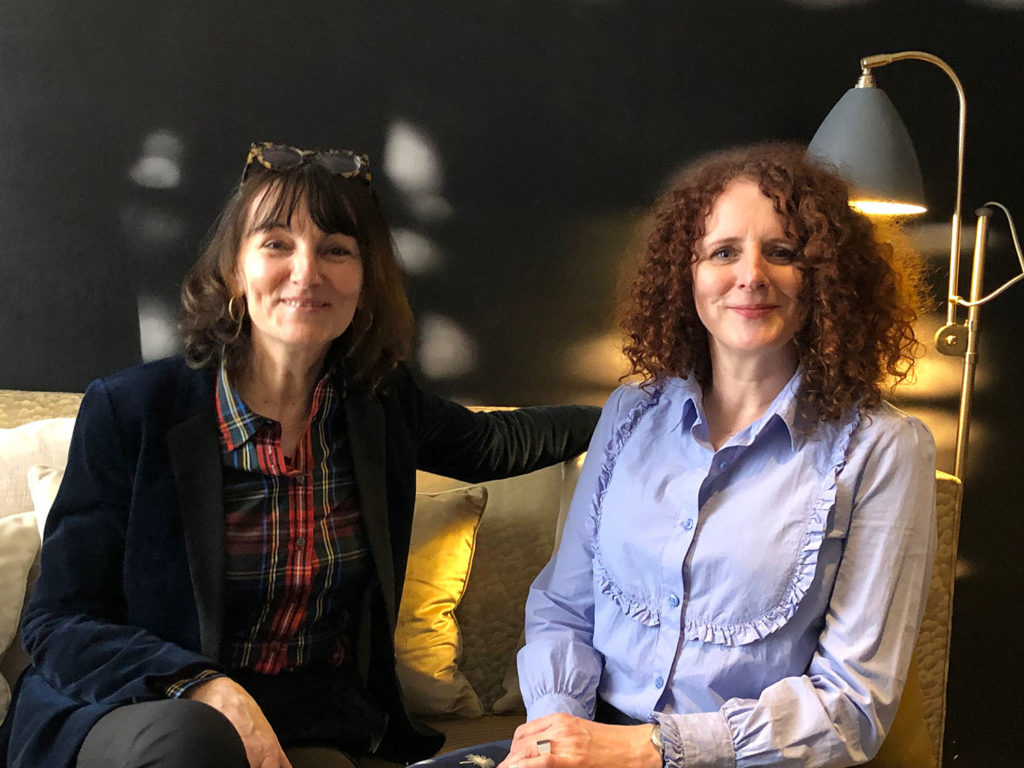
131	588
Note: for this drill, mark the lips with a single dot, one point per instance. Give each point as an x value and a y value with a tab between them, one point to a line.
754	311
306	304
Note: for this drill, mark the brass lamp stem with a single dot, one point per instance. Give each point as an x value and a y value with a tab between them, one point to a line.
963	424
880	60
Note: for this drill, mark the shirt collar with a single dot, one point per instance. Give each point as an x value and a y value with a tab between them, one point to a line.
239	423
785	408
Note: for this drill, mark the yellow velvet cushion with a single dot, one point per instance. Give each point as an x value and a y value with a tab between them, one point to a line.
428	642
907	745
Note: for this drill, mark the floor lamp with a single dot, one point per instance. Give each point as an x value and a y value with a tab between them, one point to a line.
865	139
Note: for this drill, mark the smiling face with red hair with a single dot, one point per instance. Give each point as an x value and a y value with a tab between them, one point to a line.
746	283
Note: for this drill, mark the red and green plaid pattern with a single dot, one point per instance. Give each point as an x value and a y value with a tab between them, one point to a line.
297	555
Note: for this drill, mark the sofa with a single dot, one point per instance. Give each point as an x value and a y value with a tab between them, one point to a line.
475	550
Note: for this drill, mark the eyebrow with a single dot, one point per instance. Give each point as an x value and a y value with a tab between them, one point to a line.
266	226
729	240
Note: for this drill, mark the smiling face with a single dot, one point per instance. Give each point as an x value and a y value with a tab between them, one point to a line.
746	284
302	285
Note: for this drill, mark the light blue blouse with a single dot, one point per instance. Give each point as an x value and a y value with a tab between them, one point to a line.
760	601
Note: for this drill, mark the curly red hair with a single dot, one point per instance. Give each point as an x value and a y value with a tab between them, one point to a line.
861	292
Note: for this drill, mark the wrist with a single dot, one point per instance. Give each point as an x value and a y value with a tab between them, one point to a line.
203	690
643	752
657	743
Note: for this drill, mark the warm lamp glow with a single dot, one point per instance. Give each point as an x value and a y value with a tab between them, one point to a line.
887	208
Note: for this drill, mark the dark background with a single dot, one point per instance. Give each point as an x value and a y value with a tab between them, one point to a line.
550	127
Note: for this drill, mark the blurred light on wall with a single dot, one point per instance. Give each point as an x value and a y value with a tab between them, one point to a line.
417	253
598	361
150	226
157	328
445	350
413	164
932	240
159	164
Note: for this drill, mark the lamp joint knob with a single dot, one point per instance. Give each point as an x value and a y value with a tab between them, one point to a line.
951	340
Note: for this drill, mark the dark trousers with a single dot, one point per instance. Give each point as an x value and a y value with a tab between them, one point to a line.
179	733
176	733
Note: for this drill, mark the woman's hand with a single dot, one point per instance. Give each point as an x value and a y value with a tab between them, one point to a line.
575	742
234	702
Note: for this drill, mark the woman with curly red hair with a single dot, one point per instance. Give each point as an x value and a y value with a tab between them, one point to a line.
745	561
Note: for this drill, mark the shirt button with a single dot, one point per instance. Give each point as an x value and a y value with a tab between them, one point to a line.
300	542
659	681
688	524
673	601
723	464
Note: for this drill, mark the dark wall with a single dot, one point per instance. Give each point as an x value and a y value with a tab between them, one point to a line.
554	124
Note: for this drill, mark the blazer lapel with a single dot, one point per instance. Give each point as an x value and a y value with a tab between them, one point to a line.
365	417
195	460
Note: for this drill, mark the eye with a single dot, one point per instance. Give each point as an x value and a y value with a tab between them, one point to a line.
781	254
273	244
339	248
722	254
337	252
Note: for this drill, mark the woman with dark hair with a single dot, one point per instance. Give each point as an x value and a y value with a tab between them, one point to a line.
745	561
223	563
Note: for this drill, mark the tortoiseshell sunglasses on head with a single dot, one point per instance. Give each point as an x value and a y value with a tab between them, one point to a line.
280	157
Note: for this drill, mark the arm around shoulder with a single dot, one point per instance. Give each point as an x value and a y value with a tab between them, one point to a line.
476	446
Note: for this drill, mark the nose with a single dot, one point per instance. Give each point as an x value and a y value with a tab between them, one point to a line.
751	273
305	266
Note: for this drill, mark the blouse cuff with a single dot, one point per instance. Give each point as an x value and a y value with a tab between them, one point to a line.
701	740
557	703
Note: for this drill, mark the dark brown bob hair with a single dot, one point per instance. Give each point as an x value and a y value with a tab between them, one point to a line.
861	291
381	331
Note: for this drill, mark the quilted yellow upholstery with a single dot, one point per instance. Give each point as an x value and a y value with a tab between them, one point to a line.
932	651
17	407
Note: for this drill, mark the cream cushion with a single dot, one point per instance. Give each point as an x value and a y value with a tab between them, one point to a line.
43	482
19	547
39	442
428	643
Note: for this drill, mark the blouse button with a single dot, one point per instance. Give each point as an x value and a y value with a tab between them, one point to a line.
659	681
688	524
673	601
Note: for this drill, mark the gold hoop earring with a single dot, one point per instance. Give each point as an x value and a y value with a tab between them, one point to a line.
239	320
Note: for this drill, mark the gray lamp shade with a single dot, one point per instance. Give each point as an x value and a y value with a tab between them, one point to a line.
864	138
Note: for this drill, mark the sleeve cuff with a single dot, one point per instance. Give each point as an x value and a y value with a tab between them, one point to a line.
697	741
554	703
178	689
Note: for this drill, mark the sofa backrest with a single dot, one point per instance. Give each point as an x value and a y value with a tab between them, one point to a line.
514	540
